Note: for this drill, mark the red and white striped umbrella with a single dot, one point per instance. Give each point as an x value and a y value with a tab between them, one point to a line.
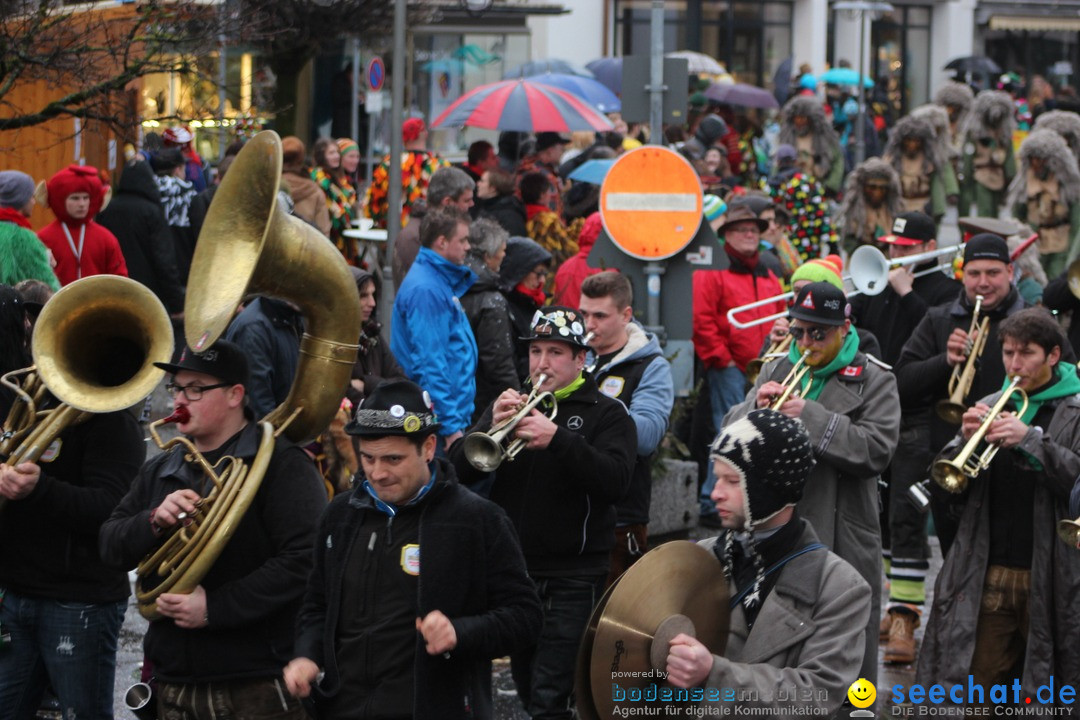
524	105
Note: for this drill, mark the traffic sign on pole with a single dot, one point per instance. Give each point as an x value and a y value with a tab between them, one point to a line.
376	74
651	203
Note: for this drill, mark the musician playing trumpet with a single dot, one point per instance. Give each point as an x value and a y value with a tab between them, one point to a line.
1006	596
560	492
847	401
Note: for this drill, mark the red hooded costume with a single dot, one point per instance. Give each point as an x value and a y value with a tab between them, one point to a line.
81	247
573	272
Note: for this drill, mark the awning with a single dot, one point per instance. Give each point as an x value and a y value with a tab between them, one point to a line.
1035	23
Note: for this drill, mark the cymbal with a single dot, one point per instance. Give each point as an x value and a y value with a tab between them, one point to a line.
677	587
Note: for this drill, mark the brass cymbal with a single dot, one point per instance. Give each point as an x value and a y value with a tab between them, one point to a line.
677	587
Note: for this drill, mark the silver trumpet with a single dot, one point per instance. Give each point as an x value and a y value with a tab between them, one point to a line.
485	451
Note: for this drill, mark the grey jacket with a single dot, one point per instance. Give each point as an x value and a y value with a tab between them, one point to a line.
854	428
1053	646
807	643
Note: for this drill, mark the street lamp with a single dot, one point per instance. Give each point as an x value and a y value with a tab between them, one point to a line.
858	9
476	7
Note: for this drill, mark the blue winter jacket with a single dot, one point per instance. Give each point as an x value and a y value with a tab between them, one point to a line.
431	337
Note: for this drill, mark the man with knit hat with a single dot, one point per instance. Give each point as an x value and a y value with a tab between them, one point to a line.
1005	601
781	577
849	407
80	246
22	255
893	316
418	164
940	343
560	494
385	640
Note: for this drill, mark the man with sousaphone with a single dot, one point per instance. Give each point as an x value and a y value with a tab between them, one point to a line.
218	648
575	452
847	401
1008	594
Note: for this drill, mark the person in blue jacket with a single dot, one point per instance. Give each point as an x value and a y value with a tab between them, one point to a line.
430	334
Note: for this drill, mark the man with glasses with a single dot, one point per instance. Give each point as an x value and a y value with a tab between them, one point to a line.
847	401
725	350
218	650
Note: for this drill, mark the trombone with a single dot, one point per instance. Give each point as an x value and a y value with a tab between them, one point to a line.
485	451
791	381
976	455
869	274
952	409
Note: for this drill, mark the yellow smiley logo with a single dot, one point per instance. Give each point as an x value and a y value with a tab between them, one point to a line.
862	693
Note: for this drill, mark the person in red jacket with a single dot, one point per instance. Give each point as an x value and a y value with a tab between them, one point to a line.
573	272
81	246
724	349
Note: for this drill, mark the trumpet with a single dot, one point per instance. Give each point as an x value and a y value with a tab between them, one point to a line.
485	451
952	409
791	381
973	458
775	350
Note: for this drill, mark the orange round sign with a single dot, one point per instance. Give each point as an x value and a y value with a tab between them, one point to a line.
651	203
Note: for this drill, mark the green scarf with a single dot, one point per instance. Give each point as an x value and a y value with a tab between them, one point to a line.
817	377
1068	384
565	392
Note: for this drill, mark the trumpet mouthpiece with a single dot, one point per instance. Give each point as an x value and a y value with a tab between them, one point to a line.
179	415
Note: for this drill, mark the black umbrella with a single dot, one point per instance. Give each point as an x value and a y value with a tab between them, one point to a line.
974	64
782	81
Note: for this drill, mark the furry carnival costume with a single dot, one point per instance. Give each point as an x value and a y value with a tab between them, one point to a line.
988	162
1065	123
922	182
818	147
1046	195
938	117
860	221
957	99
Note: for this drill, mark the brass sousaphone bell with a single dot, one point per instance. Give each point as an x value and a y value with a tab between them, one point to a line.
679	587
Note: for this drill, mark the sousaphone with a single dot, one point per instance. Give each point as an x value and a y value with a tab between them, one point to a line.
678	587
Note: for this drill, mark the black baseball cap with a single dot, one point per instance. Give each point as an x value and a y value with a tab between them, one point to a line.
544	140
821	303
395	407
911	228
223	360
987	246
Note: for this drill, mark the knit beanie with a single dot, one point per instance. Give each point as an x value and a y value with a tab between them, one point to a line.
827	269
772	455
347	144
16	189
713	207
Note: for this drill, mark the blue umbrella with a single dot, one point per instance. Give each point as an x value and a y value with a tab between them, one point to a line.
587	89
539	67
608	71
843	76
593	171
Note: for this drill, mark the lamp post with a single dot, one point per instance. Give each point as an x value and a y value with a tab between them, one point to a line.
858	9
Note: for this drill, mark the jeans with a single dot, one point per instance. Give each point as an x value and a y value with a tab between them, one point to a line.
544	673
727	388
71	645
258	699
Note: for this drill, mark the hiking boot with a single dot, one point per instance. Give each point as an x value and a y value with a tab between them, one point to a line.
901	645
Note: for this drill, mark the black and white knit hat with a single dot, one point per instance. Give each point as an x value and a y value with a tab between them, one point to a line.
772	454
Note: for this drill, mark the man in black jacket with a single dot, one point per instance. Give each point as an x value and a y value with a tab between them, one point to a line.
219	649
892	316
61	607
560	494
394	643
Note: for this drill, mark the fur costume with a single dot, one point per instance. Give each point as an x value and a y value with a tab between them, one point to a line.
938	117
988	162
926	192
852	216
1052	206
825	143
960	96
1065	123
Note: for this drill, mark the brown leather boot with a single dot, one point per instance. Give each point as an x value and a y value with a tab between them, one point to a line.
883	628
901	647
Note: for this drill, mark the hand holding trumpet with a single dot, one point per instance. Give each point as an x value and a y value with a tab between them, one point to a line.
959	345
770	391
535	429
1006	430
